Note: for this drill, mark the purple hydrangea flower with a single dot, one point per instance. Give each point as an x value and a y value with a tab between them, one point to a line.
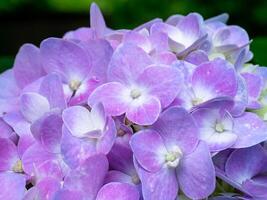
245	169
207	82
74	65
152	113
134	88
169	155
86	133
186	35
220	130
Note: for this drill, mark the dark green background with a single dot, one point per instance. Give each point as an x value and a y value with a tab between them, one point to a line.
31	21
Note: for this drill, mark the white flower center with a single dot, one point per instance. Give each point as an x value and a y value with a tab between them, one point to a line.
173	157
74	85
214	55
196	101
219	128
18	167
135	179
135	93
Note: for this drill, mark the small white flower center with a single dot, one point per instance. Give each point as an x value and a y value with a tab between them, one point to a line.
173	157
212	56
74	85
196	101
135	179
135	93
18	167
219	128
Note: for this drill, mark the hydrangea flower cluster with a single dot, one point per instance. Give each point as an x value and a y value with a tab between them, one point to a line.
155	113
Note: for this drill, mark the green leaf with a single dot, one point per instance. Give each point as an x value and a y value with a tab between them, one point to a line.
259	49
6	62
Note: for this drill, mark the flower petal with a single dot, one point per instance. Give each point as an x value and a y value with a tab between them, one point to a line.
101	52
149	150
214	79
50	169
18	123
161	185
177	127
106	141
97	21
245	163
25	141
65	58
8	84
121	158
33	106
167	88
5	129
8	154
190	27
138	39
231	35
241	98
51	88
48	130
89	177
144	111
197	57
197	171
78	121
64	194
83	34
127	63
250	130
112	96
254	87
206	120
10	180
118	191
118	176
45	189
34	157
28	66
256	187
75	150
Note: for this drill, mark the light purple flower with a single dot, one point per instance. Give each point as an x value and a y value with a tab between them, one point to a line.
152	113
155	44
169	155
245	169
134	88
71	62
33	105
186	35
230	43
215	128
86	133
209	81
220	130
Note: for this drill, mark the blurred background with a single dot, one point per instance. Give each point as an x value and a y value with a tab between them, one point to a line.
31	21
